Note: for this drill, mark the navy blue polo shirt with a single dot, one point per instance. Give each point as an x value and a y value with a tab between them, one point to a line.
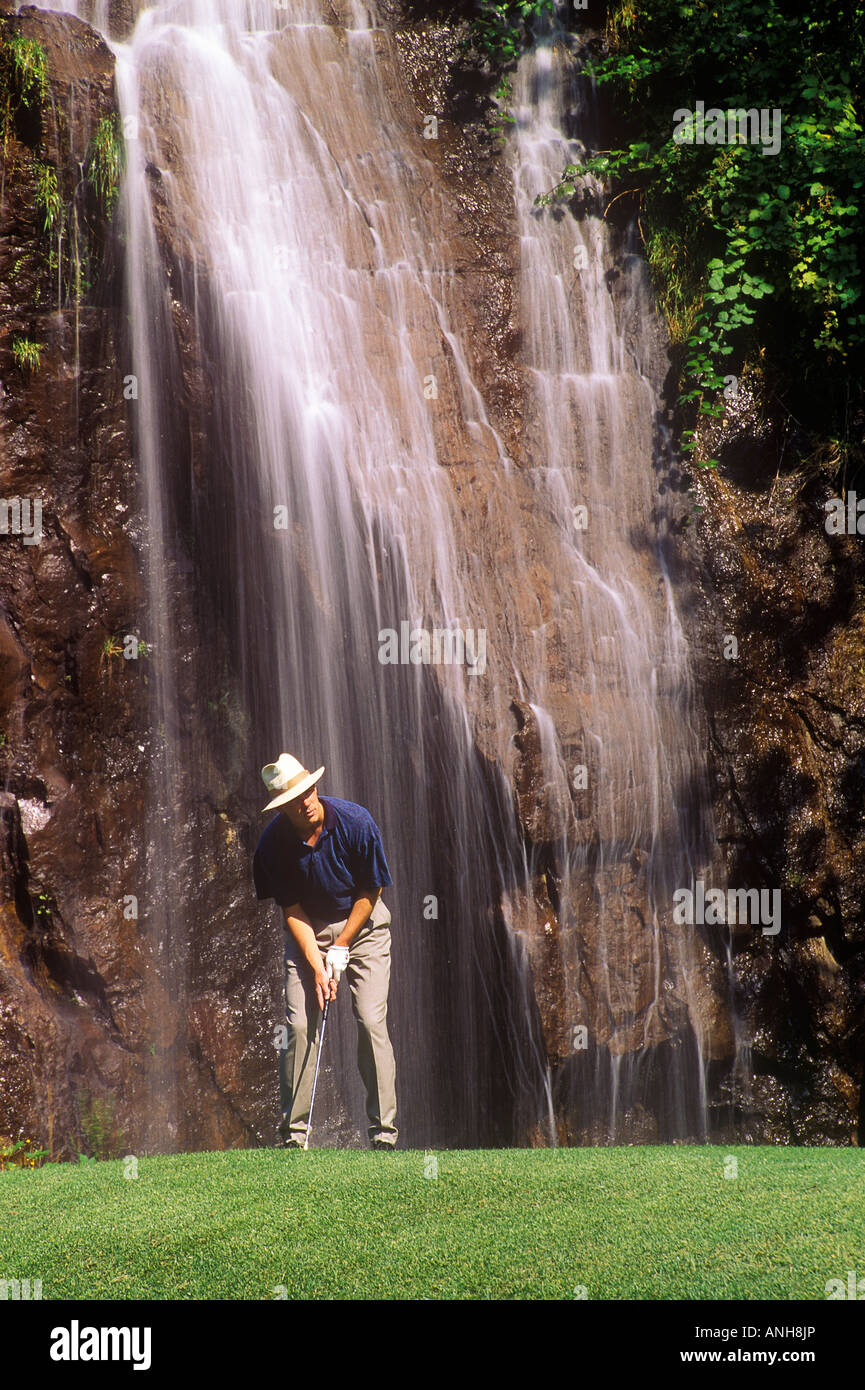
325	878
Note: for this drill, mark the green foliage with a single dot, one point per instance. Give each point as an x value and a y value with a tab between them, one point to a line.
98	1126
48	199
44	908
764	250
23	79
105	162
30	69
22	1154
26	353
501	30
69	220
112	649
502	96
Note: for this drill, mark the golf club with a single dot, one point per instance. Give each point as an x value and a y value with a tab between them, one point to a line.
315	1077
336	963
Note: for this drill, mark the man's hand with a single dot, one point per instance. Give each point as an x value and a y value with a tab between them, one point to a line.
325	987
300	927
336	961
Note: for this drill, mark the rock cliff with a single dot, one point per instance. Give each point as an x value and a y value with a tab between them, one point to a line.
82	1063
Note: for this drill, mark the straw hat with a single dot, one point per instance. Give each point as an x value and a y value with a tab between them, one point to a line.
288	777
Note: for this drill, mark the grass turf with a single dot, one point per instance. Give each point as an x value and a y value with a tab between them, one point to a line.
620	1223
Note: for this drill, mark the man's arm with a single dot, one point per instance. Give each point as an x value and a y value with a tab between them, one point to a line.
361	910
297	922
368	866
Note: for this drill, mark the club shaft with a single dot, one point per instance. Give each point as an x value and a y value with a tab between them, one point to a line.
315	1077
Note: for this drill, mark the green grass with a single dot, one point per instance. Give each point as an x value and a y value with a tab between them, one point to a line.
629	1223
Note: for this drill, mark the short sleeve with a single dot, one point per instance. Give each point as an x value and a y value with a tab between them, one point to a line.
370	866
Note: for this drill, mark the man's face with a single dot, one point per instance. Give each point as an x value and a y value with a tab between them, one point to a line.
305	812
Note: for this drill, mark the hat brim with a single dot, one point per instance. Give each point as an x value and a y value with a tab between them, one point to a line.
295	792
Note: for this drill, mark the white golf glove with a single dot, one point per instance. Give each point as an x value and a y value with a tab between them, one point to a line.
336	960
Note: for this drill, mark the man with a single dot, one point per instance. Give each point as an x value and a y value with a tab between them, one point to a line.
322	860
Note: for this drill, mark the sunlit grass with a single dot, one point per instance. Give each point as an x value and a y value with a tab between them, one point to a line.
628	1223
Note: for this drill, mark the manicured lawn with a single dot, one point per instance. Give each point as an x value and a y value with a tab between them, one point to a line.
627	1223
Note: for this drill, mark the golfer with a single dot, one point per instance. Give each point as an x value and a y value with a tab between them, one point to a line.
323	862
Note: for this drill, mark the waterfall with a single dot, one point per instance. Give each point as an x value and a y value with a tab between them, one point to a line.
596	445
321	504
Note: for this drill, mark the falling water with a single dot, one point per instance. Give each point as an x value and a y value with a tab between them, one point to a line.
313	245
592	419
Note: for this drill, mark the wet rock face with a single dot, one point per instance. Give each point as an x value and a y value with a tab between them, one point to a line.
78	972
82	978
787	710
69	716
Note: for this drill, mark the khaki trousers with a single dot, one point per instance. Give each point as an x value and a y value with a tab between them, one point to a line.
368	975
